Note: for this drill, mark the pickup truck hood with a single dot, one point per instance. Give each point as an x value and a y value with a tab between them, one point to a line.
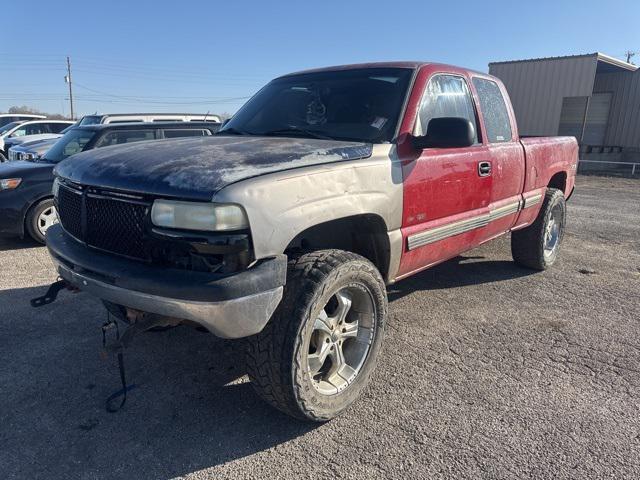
196	168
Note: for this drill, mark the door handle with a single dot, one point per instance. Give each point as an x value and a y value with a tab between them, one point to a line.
484	169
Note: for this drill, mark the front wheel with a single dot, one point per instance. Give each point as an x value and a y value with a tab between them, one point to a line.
41	216
316	354
537	245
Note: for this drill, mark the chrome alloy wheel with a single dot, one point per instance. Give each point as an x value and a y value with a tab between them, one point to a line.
341	339
47	218
552	232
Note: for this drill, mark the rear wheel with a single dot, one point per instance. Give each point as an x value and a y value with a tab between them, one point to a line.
316	354
537	245
41	216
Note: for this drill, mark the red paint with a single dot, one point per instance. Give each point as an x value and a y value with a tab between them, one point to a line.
442	186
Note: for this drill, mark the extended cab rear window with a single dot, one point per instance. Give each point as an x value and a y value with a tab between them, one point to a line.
494	111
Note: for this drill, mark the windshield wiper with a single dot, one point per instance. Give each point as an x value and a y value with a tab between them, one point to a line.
298	131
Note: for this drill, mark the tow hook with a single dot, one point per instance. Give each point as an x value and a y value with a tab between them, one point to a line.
52	293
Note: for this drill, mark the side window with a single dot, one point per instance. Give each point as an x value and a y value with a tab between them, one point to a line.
57	127
20	132
446	96
37	129
494	111
185	132
125	136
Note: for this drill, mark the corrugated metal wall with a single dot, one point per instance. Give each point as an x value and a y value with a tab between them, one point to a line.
624	116
537	87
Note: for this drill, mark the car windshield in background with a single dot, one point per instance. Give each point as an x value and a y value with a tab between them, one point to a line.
361	104
9	126
90	120
69	144
69	128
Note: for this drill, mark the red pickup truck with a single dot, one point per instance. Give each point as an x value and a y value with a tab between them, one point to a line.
286	226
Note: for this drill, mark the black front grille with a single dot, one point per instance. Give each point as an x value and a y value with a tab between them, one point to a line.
116	226
70	211
112	224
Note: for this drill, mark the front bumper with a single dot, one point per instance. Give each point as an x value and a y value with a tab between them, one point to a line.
13	206
228	305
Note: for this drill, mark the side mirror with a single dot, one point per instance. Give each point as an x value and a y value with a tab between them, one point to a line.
447	132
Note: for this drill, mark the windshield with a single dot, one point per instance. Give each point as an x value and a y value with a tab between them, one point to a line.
9	126
69	144
362	105
91	120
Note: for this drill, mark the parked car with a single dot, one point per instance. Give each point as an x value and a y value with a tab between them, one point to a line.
11	145
31	150
17	117
30	127
148	117
286	226
26	204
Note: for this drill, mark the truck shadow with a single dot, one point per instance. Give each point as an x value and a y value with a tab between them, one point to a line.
192	407
458	272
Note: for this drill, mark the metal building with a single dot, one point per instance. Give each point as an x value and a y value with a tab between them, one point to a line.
594	97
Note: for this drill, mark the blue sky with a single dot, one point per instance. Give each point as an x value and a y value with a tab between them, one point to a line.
196	56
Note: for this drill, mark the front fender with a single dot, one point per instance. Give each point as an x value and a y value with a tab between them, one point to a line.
281	205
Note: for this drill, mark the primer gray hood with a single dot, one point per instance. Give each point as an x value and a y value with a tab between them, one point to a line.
196	168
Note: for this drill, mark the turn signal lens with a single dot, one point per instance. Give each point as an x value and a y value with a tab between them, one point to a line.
10	183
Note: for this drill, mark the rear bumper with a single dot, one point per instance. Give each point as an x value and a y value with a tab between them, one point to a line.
229	306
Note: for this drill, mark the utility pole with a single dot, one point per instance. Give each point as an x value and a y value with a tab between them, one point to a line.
630	55
68	80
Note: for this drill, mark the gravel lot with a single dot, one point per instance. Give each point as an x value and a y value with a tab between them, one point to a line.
488	371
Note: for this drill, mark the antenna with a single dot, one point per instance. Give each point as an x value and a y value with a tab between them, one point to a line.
630	55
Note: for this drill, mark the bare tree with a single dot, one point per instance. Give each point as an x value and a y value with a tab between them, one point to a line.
35	111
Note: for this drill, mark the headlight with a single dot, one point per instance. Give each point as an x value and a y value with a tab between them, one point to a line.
198	216
29	156
56	187
9	183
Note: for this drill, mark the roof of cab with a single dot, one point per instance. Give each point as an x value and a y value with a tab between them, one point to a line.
413	65
355	66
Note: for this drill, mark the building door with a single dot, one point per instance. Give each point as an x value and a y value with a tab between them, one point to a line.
572	116
597	119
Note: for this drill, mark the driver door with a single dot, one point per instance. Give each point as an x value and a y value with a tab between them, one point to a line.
447	195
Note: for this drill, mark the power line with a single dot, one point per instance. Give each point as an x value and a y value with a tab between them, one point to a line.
136	99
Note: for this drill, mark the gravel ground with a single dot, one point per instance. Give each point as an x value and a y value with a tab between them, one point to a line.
488	371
